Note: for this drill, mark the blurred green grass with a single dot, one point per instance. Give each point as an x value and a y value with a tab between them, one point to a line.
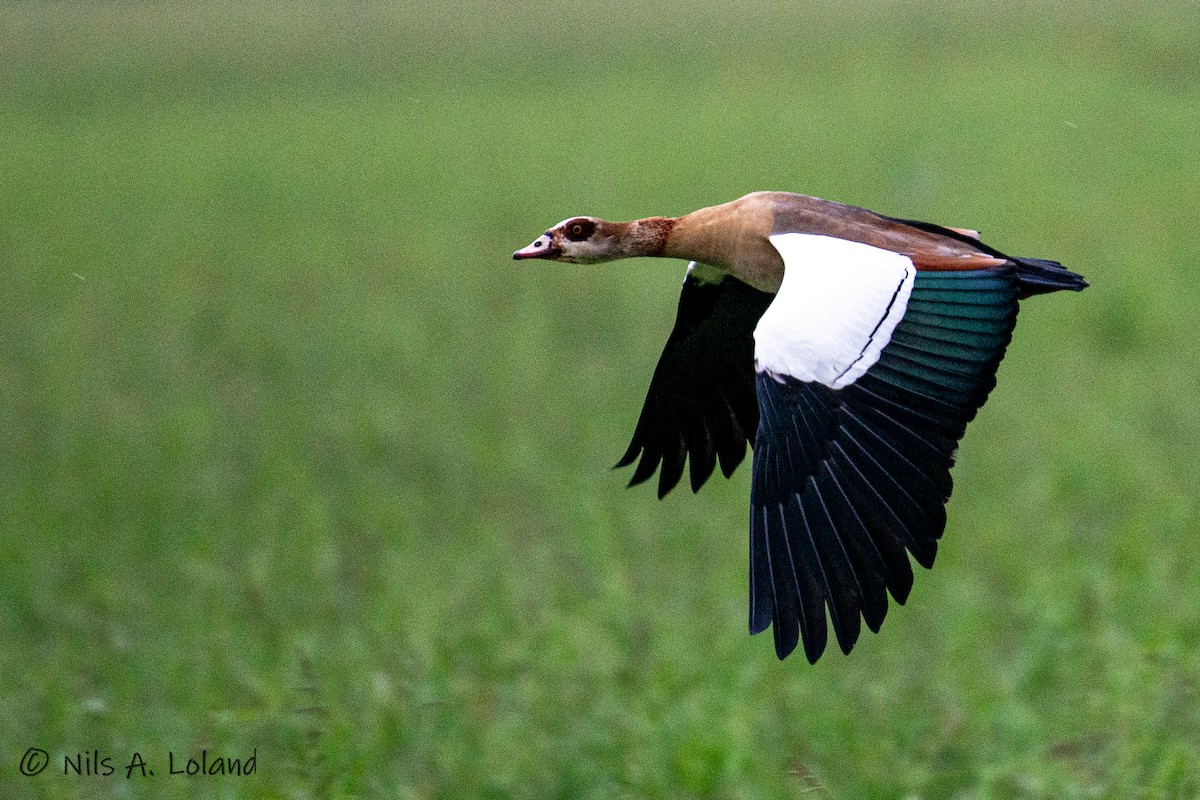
298	460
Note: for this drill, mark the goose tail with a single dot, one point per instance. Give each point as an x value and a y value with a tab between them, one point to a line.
1039	276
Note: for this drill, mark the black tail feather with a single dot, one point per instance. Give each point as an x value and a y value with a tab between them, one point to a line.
1039	276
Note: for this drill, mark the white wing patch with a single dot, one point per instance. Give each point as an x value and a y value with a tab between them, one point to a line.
835	311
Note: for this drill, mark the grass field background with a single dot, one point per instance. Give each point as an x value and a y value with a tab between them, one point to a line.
297	461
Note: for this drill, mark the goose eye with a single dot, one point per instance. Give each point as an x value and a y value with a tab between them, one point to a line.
580	229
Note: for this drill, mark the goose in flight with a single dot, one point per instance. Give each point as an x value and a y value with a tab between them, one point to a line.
851	350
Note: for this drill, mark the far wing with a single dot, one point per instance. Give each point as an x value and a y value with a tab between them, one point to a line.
701	405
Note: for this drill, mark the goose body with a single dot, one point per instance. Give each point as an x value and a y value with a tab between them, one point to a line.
851	349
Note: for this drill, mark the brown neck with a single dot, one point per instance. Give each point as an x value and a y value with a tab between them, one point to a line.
733	237
642	237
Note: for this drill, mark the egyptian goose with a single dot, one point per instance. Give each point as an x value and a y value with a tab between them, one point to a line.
851	349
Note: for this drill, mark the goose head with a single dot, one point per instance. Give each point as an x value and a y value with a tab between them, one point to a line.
588	240
578	240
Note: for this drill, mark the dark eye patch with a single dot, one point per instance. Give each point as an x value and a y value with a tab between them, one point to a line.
579	230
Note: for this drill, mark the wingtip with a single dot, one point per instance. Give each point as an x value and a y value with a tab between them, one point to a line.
631	454
784	646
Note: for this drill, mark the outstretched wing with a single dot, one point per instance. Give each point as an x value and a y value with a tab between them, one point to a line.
701	405
868	370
